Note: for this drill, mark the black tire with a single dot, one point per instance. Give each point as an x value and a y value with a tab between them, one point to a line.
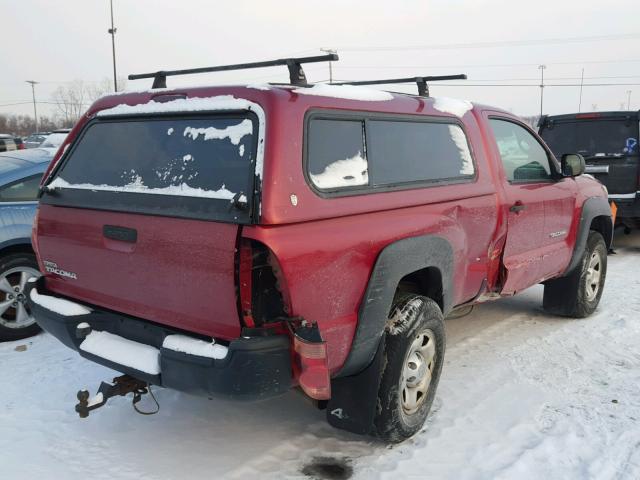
8	262
570	296
411	316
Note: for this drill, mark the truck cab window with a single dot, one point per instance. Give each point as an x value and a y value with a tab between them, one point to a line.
523	158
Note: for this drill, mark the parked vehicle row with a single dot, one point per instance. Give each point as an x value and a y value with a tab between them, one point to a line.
9	143
35	139
242	241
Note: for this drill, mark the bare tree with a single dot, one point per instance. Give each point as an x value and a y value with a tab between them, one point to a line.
73	99
70	101
23	125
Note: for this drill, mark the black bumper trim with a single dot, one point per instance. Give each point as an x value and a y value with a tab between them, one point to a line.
254	368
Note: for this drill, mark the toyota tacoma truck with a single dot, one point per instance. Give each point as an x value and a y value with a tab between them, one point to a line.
242	241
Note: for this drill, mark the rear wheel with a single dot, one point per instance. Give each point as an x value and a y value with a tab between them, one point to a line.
414	352
16	321
578	294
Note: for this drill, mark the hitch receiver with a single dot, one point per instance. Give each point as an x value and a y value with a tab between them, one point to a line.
121	386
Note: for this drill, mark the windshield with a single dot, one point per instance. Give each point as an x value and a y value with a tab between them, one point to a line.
203	160
592	138
54	140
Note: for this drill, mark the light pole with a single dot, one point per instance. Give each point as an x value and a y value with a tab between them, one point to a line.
628	99
541	67
33	94
330	51
112	32
581	84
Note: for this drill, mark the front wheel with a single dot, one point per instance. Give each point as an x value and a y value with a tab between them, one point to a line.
578	294
414	353
16	321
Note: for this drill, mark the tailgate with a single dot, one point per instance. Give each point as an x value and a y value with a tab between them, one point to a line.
178	272
618	173
143	215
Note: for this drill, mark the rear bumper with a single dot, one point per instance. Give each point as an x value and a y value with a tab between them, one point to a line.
628	205
253	368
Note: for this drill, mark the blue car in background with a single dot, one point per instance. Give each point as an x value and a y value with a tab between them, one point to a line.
20	174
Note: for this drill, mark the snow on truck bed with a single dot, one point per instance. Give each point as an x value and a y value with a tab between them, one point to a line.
523	395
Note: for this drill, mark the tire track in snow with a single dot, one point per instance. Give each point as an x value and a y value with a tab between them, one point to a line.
473	355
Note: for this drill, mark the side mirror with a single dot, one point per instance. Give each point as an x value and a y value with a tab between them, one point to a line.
572	164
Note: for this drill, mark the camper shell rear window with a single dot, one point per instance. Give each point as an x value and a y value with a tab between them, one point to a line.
195	166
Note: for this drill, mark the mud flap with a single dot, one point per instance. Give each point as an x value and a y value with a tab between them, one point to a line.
354	398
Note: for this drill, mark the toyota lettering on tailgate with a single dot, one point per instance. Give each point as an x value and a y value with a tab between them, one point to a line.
52	267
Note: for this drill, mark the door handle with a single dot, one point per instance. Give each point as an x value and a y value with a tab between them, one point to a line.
122	234
517	207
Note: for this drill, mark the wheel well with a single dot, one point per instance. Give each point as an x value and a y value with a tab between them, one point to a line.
426	282
602	225
16	248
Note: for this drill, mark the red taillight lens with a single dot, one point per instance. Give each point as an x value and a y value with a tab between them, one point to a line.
314	370
34	234
588	115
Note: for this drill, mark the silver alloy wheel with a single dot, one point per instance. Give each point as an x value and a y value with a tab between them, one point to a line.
418	368
13	310
594	275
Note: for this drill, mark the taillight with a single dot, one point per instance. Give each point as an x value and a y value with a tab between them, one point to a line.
587	115
314	369
34	233
21	146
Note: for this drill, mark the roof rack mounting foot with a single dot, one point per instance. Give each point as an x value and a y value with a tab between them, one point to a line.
423	88
159	80
296	73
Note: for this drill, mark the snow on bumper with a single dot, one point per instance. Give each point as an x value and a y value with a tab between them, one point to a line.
248	368
58	305
114	348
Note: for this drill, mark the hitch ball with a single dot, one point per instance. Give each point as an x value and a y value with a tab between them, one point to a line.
83	330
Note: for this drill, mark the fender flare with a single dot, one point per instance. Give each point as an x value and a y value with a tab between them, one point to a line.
395	261
592	207
19	241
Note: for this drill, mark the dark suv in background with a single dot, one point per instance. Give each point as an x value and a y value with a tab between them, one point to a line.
609	143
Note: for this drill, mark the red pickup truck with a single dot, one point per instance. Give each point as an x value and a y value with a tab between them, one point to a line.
245	240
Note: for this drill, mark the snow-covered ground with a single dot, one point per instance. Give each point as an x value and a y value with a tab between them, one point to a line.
523	395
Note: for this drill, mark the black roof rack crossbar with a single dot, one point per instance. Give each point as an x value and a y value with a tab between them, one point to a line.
296	73
423	88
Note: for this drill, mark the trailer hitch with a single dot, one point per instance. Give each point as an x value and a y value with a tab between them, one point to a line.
121	386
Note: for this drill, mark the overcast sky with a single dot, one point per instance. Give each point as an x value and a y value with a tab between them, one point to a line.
492	41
